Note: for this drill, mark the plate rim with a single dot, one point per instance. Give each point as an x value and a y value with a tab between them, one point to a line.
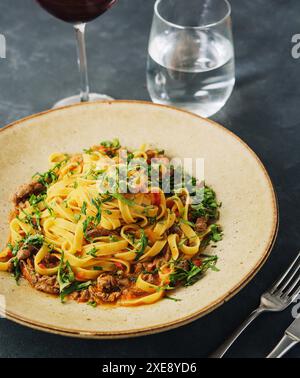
189	318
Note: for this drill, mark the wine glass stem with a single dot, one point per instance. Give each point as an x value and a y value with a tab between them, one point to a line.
82	61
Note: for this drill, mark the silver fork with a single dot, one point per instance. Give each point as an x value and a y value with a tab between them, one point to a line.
283	293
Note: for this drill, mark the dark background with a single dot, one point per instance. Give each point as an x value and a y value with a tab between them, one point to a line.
264	110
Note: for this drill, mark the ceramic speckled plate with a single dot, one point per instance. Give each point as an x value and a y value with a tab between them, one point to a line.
249	214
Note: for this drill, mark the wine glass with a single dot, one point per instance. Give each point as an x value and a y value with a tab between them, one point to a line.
78	13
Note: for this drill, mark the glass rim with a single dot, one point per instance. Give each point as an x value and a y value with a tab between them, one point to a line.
227	15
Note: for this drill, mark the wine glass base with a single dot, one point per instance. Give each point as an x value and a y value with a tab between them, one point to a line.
77	99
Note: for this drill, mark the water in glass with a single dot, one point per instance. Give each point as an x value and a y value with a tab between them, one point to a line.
192	69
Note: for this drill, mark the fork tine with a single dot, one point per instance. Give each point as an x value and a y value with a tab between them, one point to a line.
290	281
296	294
292	287
283	277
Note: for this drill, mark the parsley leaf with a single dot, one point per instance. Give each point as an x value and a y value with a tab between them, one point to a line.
193	273
172	299
120	197
115	143
85	226
35	200
65	275
207	206
16	269
187	223
75	286
97	203
92	252
216	233
50	176
142	244
88	151
84	208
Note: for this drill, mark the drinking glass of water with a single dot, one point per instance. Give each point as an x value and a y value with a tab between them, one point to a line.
191	55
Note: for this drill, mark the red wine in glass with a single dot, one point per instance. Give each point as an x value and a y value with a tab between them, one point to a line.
76	11
79	12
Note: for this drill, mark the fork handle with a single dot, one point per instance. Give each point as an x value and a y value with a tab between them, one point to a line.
284	345
219	353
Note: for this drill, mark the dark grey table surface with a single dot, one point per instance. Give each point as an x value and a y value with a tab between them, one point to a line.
264	110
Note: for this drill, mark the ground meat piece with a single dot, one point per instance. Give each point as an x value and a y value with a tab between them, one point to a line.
150	155
84	296
201	225
183	264
98	232
47	285
75	295
138	268
26	251
122	282
26	190
149	267
134	292
150	278
166	253
107	283
42	283
109	297
109	287
175	229
10	268
28	271
50	261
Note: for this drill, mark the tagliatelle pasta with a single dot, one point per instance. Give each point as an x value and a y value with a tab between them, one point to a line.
94	228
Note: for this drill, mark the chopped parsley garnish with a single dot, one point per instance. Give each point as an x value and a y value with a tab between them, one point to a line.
16	269
152	220
84	208
97	204
88	151
77	217
65	275
115	143
85	226
172	298
36	240
142	244
92	252
207	206
188	223
120	197
113	238
193	273
216	233
130	156
66	280
75	286
50	176
35	200
92	303
14	248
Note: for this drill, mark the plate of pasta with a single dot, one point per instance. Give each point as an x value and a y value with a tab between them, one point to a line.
126	218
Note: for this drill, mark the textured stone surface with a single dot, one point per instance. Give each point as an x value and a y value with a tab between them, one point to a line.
264	110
